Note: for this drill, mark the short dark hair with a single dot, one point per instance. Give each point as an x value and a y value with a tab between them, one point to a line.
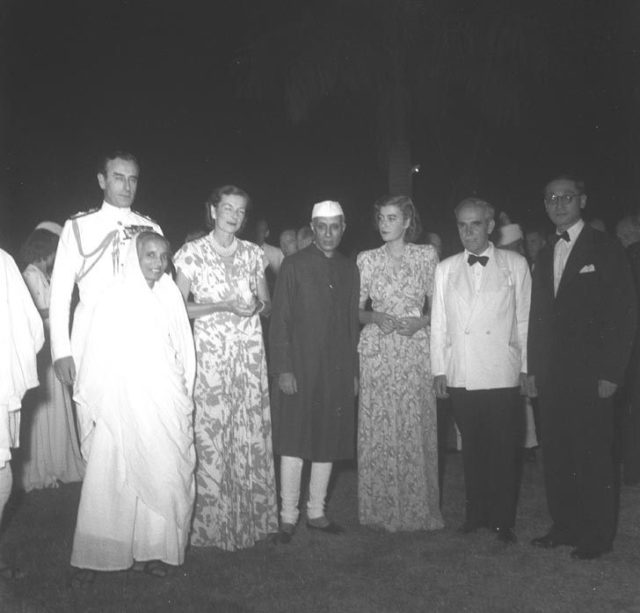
214	200
408	210
472	201
577	181
116	154
39	245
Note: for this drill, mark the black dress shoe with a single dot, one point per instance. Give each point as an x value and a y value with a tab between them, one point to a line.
329	528
586	553
506	536
285	534
549	541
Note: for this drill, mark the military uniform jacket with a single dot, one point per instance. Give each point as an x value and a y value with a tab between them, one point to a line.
90	254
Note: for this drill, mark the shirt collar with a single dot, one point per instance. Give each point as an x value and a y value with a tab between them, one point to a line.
488	252
574	230
116	213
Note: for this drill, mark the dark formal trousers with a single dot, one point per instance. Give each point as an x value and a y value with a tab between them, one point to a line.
577	443
491	424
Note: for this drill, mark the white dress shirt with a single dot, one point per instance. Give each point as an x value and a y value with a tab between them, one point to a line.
561	252
477	269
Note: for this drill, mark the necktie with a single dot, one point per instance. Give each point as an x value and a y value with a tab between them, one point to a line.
564	236
481	259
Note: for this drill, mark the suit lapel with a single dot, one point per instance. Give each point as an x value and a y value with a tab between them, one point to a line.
460	280
577	258
544	269
490	282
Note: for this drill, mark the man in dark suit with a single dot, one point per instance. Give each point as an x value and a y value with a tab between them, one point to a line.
628	405
581	326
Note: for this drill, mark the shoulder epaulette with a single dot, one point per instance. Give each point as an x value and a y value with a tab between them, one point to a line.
85	213
145	217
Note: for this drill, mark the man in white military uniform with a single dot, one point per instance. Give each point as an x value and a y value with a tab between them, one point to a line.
479	325
91	254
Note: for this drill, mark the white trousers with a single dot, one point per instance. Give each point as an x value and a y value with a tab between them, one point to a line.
6	482
290	477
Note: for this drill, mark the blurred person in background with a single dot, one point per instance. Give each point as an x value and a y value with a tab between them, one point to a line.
50	451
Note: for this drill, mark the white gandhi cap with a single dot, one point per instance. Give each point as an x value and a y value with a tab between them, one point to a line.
327	208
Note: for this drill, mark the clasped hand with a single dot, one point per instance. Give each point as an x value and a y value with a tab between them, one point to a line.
405	326
242	307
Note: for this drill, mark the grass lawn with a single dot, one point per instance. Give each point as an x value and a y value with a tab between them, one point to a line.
361	570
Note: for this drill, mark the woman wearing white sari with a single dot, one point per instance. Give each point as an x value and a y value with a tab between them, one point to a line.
21	337
137	374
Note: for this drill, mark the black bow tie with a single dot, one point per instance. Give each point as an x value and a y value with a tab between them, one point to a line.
564	236
482	259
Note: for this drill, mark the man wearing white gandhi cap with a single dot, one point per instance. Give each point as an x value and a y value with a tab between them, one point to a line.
313	341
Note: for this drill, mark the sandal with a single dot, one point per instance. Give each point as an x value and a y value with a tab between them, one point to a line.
153	568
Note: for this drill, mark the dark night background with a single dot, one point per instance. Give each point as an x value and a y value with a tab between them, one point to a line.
163	80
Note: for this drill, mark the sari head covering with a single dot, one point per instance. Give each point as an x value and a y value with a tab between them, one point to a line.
50	226
137	376
21	337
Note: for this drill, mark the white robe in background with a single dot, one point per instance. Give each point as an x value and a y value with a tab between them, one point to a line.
136	377
21	337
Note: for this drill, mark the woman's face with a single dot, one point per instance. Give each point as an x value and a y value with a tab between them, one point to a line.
153	255
391	223
229	213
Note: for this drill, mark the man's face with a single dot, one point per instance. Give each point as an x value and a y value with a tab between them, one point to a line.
564	203
474	228
534	241
327	233
153	255
288	242
120	182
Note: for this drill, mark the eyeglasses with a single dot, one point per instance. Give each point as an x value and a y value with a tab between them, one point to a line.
559	198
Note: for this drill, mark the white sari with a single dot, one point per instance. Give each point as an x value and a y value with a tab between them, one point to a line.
21	337
135	381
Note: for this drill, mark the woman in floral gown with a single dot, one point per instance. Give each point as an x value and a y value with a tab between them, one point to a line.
397	429
235	483
50	450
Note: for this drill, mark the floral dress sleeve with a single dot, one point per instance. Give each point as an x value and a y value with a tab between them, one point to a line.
186	261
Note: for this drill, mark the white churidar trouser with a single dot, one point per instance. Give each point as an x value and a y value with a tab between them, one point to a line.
290	476
6	482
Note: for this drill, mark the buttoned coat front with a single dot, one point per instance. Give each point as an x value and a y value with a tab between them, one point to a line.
479	337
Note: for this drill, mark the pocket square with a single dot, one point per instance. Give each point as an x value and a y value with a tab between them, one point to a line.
587	268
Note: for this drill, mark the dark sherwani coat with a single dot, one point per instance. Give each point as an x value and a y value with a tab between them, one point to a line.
576	338
313	334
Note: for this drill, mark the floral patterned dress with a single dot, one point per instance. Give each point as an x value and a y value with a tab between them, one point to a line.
235	483
397	423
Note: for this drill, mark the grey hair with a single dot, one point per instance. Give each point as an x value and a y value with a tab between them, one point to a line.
472	202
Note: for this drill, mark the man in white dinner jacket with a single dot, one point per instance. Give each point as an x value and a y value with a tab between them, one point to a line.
479	323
